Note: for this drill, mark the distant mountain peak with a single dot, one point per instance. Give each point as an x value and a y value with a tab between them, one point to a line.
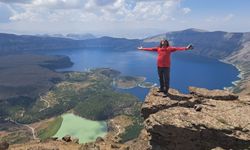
196	30
80	36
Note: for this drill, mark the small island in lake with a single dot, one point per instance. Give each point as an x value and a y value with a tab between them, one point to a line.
127	82
147	85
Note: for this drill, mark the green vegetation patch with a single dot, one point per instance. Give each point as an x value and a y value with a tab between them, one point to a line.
89	94
52	128
105	105
132	131
126	82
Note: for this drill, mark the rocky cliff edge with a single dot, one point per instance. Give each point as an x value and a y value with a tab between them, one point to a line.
202	120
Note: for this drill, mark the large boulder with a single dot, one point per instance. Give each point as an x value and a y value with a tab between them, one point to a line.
67	138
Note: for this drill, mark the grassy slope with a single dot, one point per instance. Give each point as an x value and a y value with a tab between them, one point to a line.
24	79
133	131
51	129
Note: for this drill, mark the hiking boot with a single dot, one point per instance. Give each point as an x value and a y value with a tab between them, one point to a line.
166	94
160	90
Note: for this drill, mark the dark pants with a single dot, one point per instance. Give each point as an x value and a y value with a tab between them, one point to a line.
164	75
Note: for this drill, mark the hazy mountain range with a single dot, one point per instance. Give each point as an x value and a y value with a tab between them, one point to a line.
73	36
217	44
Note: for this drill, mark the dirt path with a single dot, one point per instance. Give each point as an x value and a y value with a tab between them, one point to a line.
28	126
34	135
47	102
32	130
118	127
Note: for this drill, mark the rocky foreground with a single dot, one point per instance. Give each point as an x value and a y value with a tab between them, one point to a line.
202	120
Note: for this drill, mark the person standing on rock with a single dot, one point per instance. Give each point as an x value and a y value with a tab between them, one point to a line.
163	62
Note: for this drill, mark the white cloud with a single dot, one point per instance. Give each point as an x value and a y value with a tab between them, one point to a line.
228	17
115	10
58	4
15	1
186	10
91	15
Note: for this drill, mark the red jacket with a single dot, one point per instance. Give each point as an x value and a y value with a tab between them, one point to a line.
164	54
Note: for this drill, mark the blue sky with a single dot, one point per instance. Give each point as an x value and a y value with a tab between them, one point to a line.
122	18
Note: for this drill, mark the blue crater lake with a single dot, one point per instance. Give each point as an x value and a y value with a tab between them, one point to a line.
186	69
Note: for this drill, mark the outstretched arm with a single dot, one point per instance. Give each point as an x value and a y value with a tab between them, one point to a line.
148	49
173	49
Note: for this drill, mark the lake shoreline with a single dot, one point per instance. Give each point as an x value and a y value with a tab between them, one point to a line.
243	76
240	75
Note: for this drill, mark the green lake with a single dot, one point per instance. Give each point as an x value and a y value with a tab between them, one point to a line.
84	129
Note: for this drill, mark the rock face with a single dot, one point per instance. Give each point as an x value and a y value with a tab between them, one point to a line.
173	124
213	94
4	145
67	138
154	102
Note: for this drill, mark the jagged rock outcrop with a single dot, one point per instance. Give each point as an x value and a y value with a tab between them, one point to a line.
173	124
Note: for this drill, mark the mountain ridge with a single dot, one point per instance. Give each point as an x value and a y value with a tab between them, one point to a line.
205	42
